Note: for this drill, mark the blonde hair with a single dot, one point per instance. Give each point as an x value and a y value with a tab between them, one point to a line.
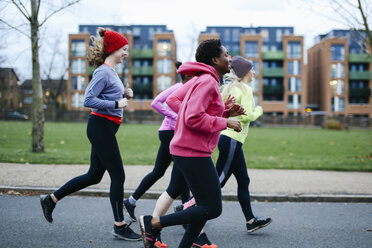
232	80
96	53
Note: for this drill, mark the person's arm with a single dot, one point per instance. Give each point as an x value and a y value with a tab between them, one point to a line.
95	87
157	103
195	113
174	101
251	113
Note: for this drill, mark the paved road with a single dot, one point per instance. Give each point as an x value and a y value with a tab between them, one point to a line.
87	222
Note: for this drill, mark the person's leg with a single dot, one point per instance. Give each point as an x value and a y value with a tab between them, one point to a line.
227	149
162	162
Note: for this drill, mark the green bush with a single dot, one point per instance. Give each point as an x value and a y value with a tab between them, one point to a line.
333	124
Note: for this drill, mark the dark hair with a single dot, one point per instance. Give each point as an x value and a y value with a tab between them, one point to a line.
207	50
178	64
96	53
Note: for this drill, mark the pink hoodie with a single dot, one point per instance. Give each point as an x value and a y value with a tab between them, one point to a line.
170	118
200	109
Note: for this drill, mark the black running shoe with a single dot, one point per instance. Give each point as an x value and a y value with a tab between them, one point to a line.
125	232
257	224
178	208
48	206
129	210
202	241
148	233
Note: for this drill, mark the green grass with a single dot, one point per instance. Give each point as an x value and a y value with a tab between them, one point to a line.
266	148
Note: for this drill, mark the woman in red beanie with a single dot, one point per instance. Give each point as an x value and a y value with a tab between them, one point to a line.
107	97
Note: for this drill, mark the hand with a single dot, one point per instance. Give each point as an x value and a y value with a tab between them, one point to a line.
234	124
128	93
230	101
123	103
236	110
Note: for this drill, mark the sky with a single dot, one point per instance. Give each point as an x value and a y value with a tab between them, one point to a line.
185	18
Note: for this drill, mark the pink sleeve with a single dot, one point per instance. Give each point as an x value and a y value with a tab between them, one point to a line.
157	103
174	101
196	116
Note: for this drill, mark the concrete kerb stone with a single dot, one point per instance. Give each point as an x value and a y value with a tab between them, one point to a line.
227	196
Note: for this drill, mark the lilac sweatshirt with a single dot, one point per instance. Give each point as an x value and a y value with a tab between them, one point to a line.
103	90
169	121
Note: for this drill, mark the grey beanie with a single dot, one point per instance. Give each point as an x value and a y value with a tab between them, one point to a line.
241	66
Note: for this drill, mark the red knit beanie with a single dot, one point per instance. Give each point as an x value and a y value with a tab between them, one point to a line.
113	41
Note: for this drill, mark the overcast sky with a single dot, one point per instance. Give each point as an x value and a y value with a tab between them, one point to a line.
185	18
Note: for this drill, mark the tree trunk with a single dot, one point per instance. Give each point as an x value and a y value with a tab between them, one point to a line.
37	93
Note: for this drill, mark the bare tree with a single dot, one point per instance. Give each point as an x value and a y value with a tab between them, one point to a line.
354	14
31	14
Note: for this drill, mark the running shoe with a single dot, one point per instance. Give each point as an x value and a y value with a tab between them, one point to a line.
148	233
257	224
129	210
48	206
202	241
125	232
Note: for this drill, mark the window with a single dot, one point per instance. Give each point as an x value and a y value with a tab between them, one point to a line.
136	31
151	33
78	83
255	85
294	84
255	98
164	66
337	70
338	52
136	63
251	49
236	35
164	48
226	35
265	35
294	102
338	104
294	67
294	50
78	66
78	48
77	100
164	82
337	87
279	35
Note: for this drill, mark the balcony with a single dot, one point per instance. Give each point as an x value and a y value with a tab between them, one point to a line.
142	53
234	53
143	71
360	58
273	55
359	75
273	72
273	89
360	93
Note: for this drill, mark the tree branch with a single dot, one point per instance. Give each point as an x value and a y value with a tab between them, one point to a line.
22	5
20	10
58	10
15	28
365	23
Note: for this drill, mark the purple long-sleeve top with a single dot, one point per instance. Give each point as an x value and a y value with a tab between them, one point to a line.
170	118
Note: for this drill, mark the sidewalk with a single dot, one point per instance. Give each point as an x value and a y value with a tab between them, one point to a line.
270	185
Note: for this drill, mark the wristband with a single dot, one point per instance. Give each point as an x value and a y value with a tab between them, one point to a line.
116	104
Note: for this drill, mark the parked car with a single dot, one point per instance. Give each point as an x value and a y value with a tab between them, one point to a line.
13	116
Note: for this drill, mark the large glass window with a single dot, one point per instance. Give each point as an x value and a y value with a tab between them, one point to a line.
164	82
338	104
294	84
294	67
294	101
78	48
255	85
236	35
338	52
77	100
78	66
337	70
256	67
265	35
164	66
337	87
251	49
279	34
226	35
294	49
164	48
78	83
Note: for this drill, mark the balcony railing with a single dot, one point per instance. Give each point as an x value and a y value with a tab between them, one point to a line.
360	93
142	53
273	72
360	58
143	71
273	89
361	75
273	55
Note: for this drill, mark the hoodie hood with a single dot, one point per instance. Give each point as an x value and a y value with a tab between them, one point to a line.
197	69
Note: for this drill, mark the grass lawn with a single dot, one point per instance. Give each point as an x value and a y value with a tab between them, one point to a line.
266	148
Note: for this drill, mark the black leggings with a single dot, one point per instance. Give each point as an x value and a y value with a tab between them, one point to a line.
163	160
105	155
231	161
201	177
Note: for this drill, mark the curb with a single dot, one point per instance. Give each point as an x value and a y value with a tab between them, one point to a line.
227	196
